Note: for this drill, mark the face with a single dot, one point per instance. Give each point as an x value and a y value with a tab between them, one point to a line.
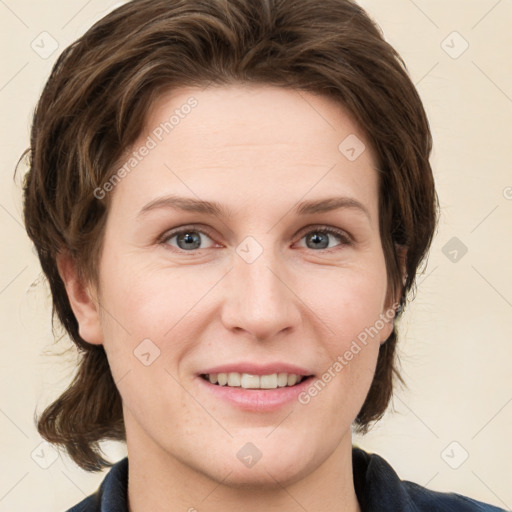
257	288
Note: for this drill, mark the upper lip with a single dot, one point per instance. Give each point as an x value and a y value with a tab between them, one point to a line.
257	369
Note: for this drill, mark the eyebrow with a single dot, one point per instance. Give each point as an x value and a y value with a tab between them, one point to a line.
190	204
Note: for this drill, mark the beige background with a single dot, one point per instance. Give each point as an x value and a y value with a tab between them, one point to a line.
457	343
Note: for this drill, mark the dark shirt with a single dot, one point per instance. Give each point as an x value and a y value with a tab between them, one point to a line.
377	487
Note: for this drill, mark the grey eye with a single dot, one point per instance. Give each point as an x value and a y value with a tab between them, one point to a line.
187	240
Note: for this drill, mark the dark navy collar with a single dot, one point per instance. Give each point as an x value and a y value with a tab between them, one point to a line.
378	489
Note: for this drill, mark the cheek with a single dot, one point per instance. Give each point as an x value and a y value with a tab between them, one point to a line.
151	314
349	301
351	308
151	299
142	310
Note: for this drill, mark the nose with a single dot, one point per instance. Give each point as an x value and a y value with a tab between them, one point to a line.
261	300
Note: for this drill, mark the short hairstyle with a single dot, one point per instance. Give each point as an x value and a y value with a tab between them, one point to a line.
93	108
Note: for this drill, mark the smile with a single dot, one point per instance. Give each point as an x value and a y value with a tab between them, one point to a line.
247	391
250	381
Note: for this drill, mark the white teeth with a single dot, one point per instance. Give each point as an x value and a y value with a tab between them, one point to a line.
234	379
268	381
282	379
292	379
248	381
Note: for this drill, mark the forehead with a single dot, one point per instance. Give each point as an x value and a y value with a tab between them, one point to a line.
250	115
252	142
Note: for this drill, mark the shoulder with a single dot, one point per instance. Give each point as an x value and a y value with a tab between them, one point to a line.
428	500
89	504
378	487
112	495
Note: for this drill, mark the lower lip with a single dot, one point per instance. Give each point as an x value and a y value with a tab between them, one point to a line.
257	400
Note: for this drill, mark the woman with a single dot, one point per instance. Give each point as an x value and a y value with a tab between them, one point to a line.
230	200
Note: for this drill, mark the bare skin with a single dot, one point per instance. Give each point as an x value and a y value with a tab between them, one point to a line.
258	151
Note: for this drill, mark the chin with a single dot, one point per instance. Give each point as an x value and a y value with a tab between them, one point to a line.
263	463
266	475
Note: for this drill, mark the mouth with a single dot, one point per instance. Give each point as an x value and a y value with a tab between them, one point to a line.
251	381
255	388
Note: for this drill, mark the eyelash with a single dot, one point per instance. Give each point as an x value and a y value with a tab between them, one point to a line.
344	238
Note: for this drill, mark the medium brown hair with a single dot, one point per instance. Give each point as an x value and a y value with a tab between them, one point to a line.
93	108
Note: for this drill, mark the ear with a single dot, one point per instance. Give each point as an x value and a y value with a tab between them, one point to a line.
82	299
392	302
401	252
